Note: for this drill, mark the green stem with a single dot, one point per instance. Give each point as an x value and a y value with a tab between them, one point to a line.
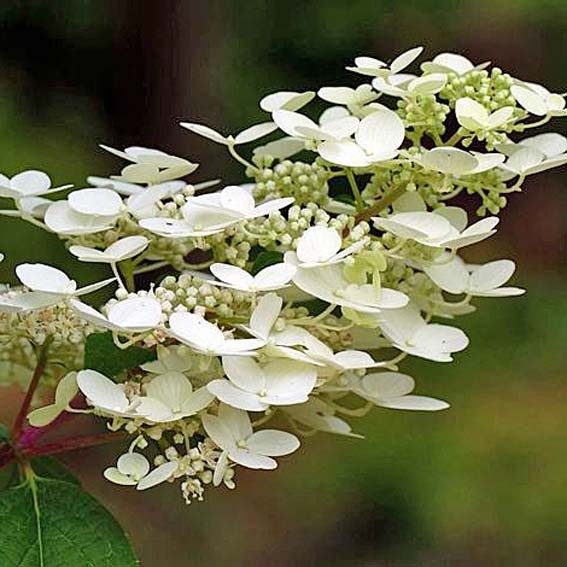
355	190
380	205
128	274
453	139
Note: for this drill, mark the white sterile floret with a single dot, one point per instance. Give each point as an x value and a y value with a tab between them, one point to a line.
410	333
299	126
30	183
435	230
353	99
454	276
252	387
213	212
133	469
104	394
170	397
151	166
393	390
250	134
66	390
376	68
96	202
286	100
202	336
537	100
527	160
328	283
147	204
135	314
377	138
174	358
318	416
122	249
271	278
62	219
321	246
232	431
475	117
454	161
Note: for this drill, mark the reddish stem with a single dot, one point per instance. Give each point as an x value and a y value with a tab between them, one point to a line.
72	444
37	373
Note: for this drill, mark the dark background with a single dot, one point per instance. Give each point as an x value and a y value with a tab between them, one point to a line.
484	483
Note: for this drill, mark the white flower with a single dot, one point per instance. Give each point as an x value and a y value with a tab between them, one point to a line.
392	390
376	68
232	431
132	315
328	283
122	249
49	286
212	213
250	134
527	160
133	469
170	397
151	166
104	394
410	333
458	162
66	390
475	117
321	245
252	387
537	100
30	183
286	100
439	229
271	278
318	415
450	63
377	138
408	86
204	337
456	277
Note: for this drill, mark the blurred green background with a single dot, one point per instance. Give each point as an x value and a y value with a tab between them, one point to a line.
484	483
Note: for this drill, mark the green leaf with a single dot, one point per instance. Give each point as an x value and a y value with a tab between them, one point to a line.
345	199
4	433
265	259
103	355
52	468
50	523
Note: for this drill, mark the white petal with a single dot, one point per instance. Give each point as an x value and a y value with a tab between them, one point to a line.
237	421
236	277
273	443
101	391
289	379
133	464
265	314
61	219
289	121
195	331
415	225
318	244
218	431
380	132
344	152
418	403
244	373
220	468
127	248
40	277
31	182
157	476
270	206
471	114
90	314
280	149
437	338
384	385
341	127
500	117
100	202
550	144
206	132
114	475
450	276
337	95
41	417
428	84
529	100
66	390
255	132
237	199
136	313
492	275
449	160
286	100
252	460
274	277
474	233
170	388
197	401
230	394
405	59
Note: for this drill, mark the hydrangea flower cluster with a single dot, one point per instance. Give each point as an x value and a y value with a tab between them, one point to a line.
284	305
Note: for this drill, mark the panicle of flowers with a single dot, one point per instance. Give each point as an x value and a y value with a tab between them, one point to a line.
245	317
